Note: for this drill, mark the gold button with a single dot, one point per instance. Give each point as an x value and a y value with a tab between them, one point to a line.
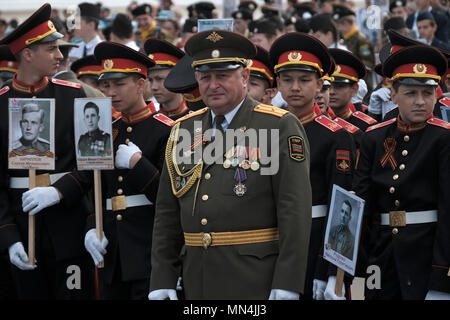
397	203
127	141
120	178
402	167
404	153
204	221
395	177
119	217
391	189
208	176
395	231
406	138
119	191
205	197
129	129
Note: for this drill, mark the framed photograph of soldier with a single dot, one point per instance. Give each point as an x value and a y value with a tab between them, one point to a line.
215	24
93	133
343	229
31	133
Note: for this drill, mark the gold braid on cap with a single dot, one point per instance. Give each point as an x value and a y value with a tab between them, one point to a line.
216	60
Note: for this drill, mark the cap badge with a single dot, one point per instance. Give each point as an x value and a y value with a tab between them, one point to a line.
420	68
214	37
249	63
336	16
337	69
147	9
108	64
194	29
215	53
151	56
295	56
51	25
399	4
239	15
10	64
251	6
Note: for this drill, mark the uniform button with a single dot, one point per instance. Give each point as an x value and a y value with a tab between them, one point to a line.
406	138
397	203
119	191
204	221
119	217
404	153
402	167
127	141
391	190
120	178
208	176
205	197
129	129
395	177
394	231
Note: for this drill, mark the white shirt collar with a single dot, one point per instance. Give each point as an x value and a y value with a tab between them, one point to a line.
229	116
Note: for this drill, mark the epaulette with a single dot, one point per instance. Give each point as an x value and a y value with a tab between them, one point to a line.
364	117
347	125
164	119
439	123
382	124
4	90
328	123
193	114
66	83
265	108
445	101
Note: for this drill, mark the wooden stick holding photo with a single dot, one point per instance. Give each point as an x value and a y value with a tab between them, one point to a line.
98	208
339	282
31	224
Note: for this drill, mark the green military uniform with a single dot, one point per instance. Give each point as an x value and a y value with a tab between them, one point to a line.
341	240
94	144
360	46
40	145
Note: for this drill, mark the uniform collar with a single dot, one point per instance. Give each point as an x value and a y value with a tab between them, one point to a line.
310	115
351	33
138	116
94	133
175	112
31	89
411	127
229	116
347	112
330	113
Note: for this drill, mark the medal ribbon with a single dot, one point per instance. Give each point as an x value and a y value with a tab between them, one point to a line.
389	147
240	175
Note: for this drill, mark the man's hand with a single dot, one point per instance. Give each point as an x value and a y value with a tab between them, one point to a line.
318	289
163	294
280	294
19	257
39	198
95	248
329	291
127	156
437	295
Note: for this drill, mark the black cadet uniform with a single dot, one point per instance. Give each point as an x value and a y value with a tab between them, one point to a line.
128	194
59	230
403	176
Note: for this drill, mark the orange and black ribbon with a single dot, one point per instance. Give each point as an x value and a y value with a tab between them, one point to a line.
389	147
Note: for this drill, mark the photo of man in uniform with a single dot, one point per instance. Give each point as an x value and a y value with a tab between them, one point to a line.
341	238
95	142
31	125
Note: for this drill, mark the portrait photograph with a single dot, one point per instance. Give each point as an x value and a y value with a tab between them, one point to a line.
343	229
93	133
31	134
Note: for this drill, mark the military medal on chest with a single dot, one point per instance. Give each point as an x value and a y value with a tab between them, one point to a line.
240	177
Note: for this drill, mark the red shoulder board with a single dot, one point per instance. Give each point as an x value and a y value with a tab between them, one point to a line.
347	125
439	123
364	107
445	101
66	83
382	124
364	117
164	119
328	123
4	90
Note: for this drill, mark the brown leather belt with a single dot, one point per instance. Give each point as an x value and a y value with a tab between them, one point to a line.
207	239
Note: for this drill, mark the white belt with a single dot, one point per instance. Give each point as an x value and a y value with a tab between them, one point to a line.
132	201
319	211
411	217
24	182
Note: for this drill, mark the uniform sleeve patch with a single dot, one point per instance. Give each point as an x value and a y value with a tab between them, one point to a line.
343	160
296	148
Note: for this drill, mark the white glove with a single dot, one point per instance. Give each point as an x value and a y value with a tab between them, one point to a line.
19	257
280	294
124	154
39	198
94	247
329	291
163	294
318	289
179	287
437	295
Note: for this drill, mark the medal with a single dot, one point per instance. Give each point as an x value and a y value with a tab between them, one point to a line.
227	164
239	177
254	166
240	189
245	165
235	162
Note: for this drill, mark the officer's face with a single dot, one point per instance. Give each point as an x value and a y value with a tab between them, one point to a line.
323	98
43	59
223	90
341	94
346	214
91	119
299	88
156	79
31	126
415	103
125	93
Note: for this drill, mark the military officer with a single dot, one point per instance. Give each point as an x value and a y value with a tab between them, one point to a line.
262	84
59	237
237	222
300	61
403	177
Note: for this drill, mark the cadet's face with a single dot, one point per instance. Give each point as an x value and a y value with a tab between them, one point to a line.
45	58
90	81
239	25
323	98
341	94
156	79
415	103
223	90
346	214
125	93
256	88
326	39
299	88
261	40
91	119
31	125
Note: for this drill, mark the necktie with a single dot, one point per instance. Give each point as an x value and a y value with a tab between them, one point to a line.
84	51
219	119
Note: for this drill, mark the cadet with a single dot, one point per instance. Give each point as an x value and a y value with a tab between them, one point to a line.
238	226
403	177
323	97
59	231
262	84
87	70
300	61
8	65
165	55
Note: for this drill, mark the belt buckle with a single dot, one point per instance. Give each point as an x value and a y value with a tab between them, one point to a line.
118	203
397	218
43	180
206	240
